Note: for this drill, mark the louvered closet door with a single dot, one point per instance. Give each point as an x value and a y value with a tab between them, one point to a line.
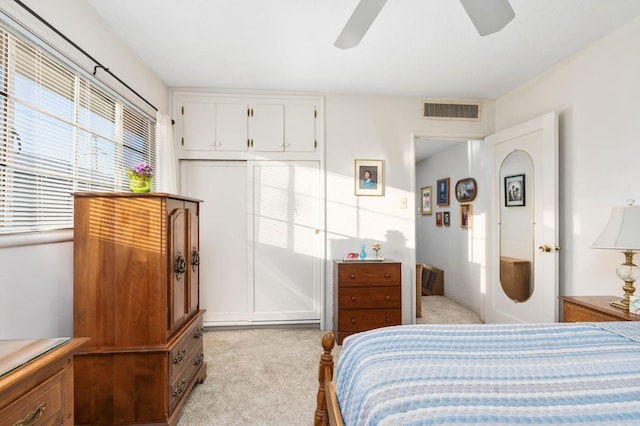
286	246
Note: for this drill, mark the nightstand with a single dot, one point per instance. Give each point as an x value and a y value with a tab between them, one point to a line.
593	309
367	295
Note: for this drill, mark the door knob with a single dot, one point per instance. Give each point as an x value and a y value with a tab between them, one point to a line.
546	248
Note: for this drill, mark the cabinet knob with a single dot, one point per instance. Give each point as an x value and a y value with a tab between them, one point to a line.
387	298
353	320
387	320
353	298
387	275
352	276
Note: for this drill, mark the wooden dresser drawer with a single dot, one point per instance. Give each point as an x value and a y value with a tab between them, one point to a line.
189	345
368	274
366	319
580	314
179	385
42	405
369	297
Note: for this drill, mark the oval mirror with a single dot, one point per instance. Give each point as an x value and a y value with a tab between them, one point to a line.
516	226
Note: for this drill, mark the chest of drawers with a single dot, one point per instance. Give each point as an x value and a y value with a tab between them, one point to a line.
367	295
36	381
593	309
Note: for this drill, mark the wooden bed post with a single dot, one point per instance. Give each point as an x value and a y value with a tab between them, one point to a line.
326	362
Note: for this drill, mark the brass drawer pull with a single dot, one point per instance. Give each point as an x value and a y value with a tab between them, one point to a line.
198	334
180	388
179	359
33	417
199	359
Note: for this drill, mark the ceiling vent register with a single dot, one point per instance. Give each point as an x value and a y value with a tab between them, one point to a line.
451	110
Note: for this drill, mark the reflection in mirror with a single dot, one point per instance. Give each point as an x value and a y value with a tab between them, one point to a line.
516	226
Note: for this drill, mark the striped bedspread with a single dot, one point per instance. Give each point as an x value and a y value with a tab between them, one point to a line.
580	374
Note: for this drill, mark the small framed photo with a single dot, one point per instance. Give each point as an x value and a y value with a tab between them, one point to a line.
368	177
438	218
466	190
443	192
425	200
466	215
446	218
514	191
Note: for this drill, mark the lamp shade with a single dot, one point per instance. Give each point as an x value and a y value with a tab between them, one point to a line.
622	231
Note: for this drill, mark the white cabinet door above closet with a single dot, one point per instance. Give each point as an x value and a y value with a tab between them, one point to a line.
266	124
300	128
210	126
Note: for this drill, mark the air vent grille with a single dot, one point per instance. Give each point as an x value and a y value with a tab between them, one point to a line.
451	110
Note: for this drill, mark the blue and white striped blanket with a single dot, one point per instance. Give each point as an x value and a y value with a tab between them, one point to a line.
581	374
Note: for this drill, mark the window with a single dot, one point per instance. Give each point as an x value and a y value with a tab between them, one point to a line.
59	133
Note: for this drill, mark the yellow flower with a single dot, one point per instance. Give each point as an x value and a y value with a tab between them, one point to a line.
376	246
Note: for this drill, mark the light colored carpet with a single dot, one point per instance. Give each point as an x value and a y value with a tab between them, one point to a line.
264	377
440	310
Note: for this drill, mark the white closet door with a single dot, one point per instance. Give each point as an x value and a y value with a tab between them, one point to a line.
224	286
286	247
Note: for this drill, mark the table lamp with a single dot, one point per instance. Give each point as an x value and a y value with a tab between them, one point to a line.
623	233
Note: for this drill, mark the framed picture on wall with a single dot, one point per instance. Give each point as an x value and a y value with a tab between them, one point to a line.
466	190
446	218
466	215
438	218
443	191
368	177
425	200
514	190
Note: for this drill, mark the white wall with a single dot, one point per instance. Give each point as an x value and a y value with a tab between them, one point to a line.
460	252
36	281
596	95
376	127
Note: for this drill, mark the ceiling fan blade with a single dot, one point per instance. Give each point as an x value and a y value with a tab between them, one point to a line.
361	19
489	16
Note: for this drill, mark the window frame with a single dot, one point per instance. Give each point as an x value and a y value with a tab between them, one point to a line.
133	140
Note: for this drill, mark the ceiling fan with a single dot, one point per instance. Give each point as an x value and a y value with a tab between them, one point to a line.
488	16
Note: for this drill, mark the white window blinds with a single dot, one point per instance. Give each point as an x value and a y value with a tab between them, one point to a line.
59	133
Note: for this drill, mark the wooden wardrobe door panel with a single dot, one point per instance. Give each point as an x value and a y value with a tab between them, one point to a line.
179	268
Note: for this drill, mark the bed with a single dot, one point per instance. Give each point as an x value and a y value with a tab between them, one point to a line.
569	373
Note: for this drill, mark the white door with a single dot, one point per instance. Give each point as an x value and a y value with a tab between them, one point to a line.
199	126
286	246
231	127
524	228
300	128
260	245
224	278
266	128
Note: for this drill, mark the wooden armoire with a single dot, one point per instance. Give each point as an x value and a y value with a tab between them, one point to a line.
136	296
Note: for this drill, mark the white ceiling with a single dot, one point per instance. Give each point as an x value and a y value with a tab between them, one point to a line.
425	48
